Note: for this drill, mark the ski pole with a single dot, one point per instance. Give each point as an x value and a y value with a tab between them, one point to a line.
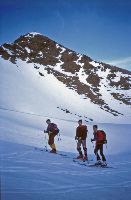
92	144
45	139
45	143
59	137
76	139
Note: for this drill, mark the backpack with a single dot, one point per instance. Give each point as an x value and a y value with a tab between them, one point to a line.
55	128
101	136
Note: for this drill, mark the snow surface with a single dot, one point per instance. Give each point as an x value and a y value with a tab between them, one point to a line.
94	63
41	54
32	33
37	92
105	90
27	49
7	50
29	174
78	61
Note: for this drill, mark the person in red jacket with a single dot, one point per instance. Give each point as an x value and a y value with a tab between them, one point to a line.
100	138
81	135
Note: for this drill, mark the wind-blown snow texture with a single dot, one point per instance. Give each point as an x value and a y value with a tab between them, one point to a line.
29	174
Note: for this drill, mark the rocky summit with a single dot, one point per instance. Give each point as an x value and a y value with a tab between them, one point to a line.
99	82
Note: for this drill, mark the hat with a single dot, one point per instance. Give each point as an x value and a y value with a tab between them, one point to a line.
48	120
95	126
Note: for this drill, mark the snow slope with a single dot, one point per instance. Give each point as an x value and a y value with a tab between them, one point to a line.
43	92
29	174
24	90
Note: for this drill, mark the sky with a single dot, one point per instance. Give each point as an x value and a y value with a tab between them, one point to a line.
100	29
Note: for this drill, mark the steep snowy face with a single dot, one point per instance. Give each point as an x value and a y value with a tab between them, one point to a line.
106	86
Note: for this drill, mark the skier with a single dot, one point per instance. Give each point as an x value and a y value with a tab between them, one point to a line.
100	138
81	135
52	131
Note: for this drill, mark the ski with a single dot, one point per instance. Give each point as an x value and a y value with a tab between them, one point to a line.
63	155
46	150
82	162
41	149
87	164
79	162
100	166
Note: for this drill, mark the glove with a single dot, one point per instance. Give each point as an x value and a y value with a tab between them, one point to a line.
105	142
76	138
45	131
92	140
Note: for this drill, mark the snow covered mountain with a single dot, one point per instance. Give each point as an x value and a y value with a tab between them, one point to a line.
76	84
41	79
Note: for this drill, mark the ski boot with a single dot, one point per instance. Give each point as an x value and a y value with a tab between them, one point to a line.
104	164
98	163
53	151
80	157
85	158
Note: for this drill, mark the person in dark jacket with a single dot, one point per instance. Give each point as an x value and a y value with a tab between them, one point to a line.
99	137
81	135
52	131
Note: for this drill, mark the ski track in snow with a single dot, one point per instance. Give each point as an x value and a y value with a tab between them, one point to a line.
42	173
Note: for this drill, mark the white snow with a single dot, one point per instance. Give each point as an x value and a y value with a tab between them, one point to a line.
105	90
78	61
117	78
7	50
30	174
32	33
82	76
27	173
57	67
94	63
62	49
27	49
39	90
40	54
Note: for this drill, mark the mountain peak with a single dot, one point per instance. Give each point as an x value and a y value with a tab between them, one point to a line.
32	34
99	82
